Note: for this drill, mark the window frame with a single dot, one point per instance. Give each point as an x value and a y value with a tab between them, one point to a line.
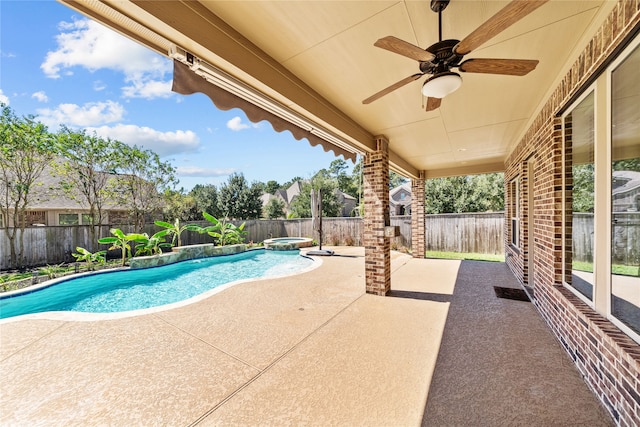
608	169
591	89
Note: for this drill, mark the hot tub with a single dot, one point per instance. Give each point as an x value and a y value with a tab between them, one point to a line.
287	243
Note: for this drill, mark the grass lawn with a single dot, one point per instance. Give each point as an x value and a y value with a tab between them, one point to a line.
623	270
465	256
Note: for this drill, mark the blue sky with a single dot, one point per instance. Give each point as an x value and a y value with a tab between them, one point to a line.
66	69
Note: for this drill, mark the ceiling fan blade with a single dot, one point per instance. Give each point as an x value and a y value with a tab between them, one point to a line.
433	104
404	48
511	67
509	15
393	87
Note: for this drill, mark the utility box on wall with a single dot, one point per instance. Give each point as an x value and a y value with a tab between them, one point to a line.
392	231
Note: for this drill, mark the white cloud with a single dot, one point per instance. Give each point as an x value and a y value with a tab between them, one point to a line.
162	143
202	172
4	99
89	114
148	89
99	85
40	96
236	124
87	44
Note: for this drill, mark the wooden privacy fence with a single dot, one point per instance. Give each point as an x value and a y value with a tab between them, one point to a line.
471	232
625	232
467	233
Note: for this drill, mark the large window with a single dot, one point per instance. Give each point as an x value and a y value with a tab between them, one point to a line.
625	190
68	219
579	141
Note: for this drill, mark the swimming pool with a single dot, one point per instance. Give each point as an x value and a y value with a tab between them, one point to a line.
129	290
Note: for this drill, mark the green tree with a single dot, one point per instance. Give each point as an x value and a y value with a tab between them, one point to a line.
301	205
239	200
396	180
178	205
474	193
26	149
142	180
274	208
206	200
271	187
583	187
338	170
85	171
631	164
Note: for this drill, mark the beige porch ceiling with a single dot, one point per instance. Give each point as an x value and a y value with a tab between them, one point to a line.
317	58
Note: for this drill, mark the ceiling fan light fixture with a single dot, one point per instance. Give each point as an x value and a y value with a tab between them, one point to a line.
441	84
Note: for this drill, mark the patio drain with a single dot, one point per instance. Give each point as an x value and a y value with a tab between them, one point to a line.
511	293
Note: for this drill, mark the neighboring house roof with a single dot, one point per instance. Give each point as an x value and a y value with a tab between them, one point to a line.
626	181
47	195
395	195
626	191
294	190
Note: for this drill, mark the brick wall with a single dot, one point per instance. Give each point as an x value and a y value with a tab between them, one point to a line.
376	216
607	358
418	218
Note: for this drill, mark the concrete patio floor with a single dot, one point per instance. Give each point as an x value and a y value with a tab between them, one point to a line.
311	349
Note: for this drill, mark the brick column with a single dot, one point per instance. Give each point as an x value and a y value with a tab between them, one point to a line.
418	218
376	215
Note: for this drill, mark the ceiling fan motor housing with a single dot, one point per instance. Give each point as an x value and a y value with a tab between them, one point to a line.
439	5
445	57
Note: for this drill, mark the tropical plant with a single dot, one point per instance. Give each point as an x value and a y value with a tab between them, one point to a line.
89	258
119	240
152	245
223	232
174	230
51	270
4	281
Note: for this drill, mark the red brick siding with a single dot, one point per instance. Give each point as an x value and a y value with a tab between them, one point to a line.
607	358
418	218
376	216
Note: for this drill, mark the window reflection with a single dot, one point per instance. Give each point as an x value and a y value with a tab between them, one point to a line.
625	192
580	146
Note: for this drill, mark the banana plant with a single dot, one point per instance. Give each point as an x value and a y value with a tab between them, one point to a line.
174	229
119	240
89	258
223	232
152	245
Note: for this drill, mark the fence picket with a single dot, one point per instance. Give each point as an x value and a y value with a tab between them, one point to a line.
472	232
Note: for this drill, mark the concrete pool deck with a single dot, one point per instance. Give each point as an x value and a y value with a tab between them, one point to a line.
311	349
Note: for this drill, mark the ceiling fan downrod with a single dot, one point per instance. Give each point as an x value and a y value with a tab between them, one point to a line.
438	6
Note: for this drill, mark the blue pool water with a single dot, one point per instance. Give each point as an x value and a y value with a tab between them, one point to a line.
127	290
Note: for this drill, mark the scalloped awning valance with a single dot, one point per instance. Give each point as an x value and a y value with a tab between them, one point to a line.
187	82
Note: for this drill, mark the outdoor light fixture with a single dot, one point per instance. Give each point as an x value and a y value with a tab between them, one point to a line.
441	84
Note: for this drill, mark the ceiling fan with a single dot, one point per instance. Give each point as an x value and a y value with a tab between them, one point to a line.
439	58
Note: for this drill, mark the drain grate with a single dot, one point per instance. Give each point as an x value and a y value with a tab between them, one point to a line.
511	293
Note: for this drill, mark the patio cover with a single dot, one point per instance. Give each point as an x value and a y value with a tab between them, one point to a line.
187	82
